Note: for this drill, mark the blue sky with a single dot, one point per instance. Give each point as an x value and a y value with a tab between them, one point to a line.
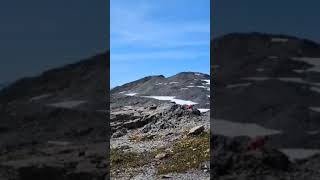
153	37
39	35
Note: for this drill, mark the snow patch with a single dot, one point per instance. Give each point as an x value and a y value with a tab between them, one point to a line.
295	154
172	99
315	89
314	61
67	104
131	94
207	81
203	110
281	40
174	82
315	109
36	98
233	129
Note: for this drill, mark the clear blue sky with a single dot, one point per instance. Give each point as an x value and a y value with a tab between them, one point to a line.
153	37
38	35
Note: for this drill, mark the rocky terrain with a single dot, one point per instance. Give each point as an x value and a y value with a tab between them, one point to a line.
265	85
53	126
230	159
156	133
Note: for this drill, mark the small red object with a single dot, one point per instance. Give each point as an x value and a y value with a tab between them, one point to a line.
257	143
189	106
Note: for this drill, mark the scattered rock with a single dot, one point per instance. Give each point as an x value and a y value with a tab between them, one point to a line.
146	128
161	156
196	130
196	111
166	177
120	133
153	107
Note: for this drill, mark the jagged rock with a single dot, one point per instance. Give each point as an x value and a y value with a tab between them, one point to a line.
146	128
153	107
196	112
196	130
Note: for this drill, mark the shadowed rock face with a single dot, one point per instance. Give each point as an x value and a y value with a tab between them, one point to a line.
269	80
54	125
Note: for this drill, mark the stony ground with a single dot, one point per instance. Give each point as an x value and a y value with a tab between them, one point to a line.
232	160
153	142
56	160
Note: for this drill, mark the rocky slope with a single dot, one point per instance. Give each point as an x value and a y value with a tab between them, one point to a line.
266	85
159	134
269	80
151	120
54	125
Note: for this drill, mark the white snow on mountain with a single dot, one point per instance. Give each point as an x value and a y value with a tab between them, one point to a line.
173	82
36	98
315	62
315	89
172	99
207	81
131	94
233	129
68	104
280	40
203	110
315	109
295	154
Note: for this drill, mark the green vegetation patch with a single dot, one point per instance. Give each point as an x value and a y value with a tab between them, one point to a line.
187	153
121	159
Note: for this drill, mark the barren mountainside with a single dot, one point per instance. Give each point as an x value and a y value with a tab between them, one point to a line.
54	125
